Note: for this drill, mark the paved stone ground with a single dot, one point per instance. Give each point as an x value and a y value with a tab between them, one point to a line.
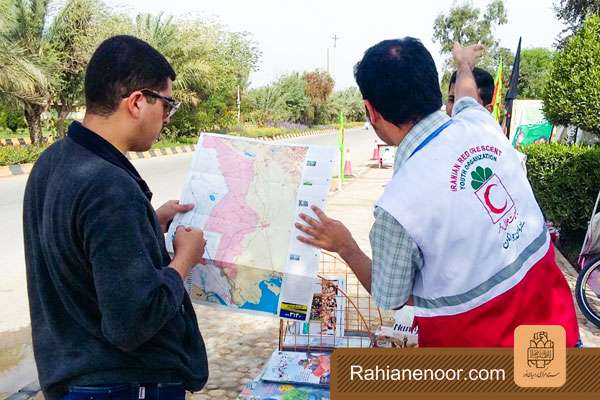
238	345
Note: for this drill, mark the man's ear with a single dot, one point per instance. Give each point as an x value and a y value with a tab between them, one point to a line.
489	107
372	113
133	102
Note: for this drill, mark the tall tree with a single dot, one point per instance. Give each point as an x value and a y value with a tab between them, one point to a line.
297	102
20	74
536	64
210	63
266	105
348	101
23	29
571	94
21	78
56	46
319	85
73	36
573	13
187	57
467	24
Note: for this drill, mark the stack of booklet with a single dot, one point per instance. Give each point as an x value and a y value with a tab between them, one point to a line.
291	375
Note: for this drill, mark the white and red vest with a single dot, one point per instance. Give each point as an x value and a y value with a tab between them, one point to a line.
488	261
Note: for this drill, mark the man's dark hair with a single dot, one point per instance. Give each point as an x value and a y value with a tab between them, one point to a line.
484	82
121	65
400	80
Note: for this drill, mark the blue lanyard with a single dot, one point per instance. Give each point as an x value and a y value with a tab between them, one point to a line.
432	136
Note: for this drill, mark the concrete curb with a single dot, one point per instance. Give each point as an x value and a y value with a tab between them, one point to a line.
28	392
167	151
24	169
302	134
21	141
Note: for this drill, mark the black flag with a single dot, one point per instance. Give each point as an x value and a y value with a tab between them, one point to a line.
513	87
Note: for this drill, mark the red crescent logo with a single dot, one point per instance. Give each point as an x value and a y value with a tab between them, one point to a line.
486	197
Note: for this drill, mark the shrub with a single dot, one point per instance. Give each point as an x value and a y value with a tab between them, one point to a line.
15	121
10	155
565	181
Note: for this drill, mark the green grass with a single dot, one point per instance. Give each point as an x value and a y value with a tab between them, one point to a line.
255	132
8	134
22	133
10	155
266	132
347	125
165	143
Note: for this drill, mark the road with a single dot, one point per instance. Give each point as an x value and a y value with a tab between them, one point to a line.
165	176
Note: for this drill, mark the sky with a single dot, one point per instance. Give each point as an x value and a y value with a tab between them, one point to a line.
296	35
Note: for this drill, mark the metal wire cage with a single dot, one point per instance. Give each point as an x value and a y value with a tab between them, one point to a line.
343	313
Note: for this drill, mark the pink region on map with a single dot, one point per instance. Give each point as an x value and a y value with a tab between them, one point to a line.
238	172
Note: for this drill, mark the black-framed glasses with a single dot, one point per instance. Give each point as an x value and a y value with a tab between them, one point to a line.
171	104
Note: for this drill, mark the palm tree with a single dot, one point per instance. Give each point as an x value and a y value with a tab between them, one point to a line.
24	75
74	34
267	104
45	62
186	48
20	77
23	78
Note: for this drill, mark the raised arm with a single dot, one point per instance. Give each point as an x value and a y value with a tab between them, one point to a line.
466	58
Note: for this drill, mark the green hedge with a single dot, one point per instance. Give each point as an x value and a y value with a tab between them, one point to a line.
565	180
10	155
267	132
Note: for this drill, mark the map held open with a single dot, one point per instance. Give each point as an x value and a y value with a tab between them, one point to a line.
247	194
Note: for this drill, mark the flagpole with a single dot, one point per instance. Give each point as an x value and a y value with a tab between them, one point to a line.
513	88
341	147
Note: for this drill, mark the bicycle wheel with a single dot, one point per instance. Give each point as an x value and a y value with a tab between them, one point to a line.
587	290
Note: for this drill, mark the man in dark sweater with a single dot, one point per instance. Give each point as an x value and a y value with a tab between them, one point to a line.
109	314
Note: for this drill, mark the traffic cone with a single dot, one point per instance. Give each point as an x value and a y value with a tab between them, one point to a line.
347	164
375	152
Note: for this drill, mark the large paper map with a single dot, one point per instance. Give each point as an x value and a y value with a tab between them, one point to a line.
247	196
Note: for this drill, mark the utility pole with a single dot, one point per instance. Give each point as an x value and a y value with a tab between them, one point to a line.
335	38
